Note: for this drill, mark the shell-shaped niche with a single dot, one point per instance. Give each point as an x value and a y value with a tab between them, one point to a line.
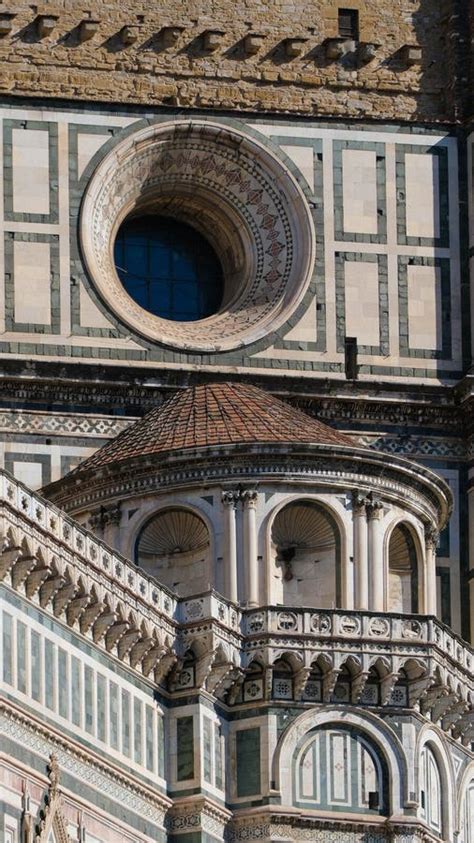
305	550
174	546
302	525
402	571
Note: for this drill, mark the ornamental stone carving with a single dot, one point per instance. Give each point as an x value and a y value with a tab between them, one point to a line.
246	203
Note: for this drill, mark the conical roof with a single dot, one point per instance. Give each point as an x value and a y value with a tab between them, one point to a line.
211	415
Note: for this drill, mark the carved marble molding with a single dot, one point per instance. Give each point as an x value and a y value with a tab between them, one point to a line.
264	826
51	815
83	766
246	202
197	813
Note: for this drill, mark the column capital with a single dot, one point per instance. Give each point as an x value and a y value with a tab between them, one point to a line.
114	514
431	535
374	509
249	498
359	502
230	498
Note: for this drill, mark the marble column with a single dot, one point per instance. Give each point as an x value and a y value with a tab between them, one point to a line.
229	500
361	561
249	499
431	541
113	517
376	567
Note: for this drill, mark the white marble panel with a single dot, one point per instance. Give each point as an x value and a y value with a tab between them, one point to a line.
91	316
30	168
422	195
32	299
362	301
29	473
303	157
424	307
87	146
305	330
359	191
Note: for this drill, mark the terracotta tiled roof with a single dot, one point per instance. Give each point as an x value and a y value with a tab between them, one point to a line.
215	414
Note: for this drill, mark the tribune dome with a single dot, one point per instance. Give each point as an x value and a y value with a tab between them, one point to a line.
214	434
210	415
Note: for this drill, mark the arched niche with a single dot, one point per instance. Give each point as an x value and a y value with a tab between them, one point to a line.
402	592
466	812
431	806
305	556
174	546
338	768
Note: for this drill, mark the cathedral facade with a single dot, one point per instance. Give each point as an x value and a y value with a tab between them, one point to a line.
236	438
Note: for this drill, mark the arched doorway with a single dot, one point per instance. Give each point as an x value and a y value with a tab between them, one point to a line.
402	571
305	547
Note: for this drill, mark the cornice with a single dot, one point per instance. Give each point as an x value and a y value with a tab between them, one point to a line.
87	387
339	467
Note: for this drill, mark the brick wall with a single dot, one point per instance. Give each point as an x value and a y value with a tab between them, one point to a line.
145	64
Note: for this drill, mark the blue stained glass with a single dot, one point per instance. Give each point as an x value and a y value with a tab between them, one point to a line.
168	268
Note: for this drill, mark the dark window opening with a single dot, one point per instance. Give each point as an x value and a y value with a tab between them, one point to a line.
349	23
373	800
168	268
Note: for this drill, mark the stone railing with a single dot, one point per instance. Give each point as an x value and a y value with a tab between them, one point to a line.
38	519
49	558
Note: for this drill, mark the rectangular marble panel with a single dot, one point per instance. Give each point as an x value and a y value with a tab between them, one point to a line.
422	195
362	301
248	761
87	146
149	739
338	768
63	683
32	272
50	674
30	165
424	307
359	191
21	657
207	749
137	730
185	748
29	473
303	157
7	649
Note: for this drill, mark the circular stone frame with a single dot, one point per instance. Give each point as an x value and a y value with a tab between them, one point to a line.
237	193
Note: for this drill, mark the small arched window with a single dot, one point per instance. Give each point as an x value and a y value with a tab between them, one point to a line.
430	790
313	691
338	769
253	683
399	693
186	677
343	688
282	680
371	692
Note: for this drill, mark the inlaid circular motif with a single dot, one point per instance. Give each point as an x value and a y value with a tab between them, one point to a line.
238	193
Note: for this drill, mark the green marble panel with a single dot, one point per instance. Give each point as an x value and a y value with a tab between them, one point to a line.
248	761
185	748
